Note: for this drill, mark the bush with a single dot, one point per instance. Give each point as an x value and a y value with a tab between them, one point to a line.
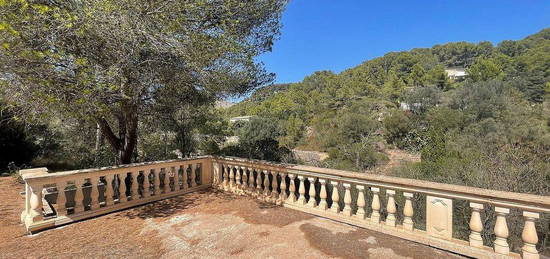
258	139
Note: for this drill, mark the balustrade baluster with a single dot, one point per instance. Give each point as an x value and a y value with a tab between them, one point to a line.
171	179
267	185
408	212
302	191
123	188
323	195
231	178
94	194
334	207
375	215
35	205
237	180
251	186
501	231
163	180
259	183
529	236
146	184
312	193
283	196
61	209
274	185
185	178
361	212
391	208
346	210
177	186
109	190
292	188
156	183
225	174
135	186
78	197
476	226
244	185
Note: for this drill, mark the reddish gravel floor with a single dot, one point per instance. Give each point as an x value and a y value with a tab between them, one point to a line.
207	224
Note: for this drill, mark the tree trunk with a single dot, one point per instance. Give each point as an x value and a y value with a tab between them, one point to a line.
124	144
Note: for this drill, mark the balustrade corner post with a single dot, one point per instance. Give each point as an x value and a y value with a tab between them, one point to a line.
334	207
312	193
323	205
274	185
529	236
408	212
61	202
346	210
206	175
94	194
283	196
391	208
361	212
35	205
302	191
476	225
501	231
292	188
375	215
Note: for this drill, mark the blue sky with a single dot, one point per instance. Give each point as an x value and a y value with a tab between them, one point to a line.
340	34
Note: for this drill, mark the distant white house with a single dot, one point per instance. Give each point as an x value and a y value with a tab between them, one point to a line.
240	118
456	73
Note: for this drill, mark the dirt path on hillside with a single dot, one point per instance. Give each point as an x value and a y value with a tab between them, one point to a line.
396	158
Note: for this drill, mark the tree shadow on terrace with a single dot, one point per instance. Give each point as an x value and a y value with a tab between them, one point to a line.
172	206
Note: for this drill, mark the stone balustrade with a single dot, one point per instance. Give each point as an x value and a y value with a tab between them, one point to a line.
342	196
53	199
381	203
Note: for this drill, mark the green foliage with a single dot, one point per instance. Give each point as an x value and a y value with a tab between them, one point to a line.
417	77
439	78
115	62
396	127
484	70
17	146
258	139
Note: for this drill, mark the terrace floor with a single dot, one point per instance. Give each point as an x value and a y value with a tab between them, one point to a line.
208	224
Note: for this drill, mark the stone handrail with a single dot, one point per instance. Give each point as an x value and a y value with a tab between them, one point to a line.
337	195
53	199
292	189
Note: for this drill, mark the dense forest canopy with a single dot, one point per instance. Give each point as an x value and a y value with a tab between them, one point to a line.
119	64
406	100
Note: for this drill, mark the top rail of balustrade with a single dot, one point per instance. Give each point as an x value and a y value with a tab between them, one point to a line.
42	174
522	201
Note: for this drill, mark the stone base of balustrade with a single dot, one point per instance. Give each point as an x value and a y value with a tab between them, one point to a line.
62	220
418	236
